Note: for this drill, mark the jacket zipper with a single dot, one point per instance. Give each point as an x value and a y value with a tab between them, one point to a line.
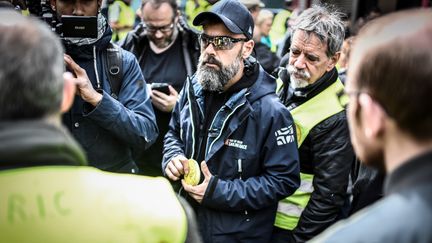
223	125
192	120
240	171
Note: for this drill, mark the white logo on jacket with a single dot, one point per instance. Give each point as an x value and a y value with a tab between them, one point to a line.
285	135
235	143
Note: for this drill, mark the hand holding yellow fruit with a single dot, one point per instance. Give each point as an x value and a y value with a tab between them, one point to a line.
193	176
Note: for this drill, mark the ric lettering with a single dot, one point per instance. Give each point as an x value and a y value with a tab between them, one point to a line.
20	208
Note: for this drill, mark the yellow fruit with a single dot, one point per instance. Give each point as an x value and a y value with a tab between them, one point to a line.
193	177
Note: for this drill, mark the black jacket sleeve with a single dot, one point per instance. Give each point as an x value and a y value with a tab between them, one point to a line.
331	156
193	235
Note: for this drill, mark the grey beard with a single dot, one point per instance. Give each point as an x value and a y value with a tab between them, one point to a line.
297	83
215	80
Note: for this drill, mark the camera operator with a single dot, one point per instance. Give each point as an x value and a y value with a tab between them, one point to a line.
108	128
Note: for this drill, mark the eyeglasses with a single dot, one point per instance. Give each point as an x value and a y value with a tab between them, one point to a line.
219	42
344	96
153	29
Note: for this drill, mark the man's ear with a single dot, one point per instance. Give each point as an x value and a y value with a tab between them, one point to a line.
69	89
177	16
248	48
373	116
332	61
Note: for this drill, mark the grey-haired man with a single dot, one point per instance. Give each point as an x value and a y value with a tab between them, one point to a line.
326	155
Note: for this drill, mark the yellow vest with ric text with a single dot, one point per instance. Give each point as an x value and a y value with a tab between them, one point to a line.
83	204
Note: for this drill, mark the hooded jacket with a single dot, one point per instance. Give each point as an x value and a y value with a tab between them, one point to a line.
251	152
114	128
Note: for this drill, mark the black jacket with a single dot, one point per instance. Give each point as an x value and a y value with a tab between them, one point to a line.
253	166
268	60
37	143
403	215
367	186
137	42
327	153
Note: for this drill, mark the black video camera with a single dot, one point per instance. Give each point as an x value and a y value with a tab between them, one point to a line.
67	25
77	26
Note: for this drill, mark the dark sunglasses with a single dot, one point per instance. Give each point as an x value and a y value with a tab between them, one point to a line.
219	42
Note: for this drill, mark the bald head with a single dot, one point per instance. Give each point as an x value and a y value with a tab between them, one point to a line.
31	68
392	60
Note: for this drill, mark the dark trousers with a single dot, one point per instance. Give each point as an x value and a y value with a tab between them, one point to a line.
280	235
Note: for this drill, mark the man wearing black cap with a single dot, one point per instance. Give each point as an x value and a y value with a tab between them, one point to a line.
229	118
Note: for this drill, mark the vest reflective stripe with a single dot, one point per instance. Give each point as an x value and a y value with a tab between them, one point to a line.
289	209
83	204
279	85
307	116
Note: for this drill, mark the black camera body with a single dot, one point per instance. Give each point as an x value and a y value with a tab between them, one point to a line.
77	26
68	25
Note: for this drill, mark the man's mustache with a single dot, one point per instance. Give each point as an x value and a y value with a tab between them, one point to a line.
299	72
211	60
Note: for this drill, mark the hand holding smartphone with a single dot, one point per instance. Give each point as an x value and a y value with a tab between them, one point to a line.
161	87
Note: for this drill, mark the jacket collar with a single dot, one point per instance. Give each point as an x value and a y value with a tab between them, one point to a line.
264	85
35	143
301	95
416	171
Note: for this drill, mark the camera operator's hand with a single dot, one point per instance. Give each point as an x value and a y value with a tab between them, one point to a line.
84	86
164	102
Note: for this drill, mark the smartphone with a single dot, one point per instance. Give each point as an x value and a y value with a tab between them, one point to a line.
162	87
79	26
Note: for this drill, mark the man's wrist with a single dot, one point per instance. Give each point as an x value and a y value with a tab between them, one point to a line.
96	99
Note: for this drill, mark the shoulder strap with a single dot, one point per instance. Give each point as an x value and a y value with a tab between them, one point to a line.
114	68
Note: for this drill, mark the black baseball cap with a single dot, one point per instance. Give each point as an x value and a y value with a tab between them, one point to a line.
233	14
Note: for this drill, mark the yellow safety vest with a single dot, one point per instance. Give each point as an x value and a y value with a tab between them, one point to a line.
126	20
84	204
278	28
191	11
306	116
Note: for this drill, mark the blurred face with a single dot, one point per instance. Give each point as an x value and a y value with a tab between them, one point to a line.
308	59
221	59
367	148
343	61
254	10
76	7
160	24
265	26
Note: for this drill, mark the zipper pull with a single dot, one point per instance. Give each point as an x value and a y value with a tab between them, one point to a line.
239	166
